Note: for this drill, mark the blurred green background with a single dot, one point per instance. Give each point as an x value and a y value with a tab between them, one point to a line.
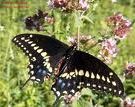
13	63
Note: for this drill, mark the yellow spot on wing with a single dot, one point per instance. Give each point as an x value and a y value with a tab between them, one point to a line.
45	64
27	51
73	91
34	58
26	40
33	44
35	48
50	69
72	73
31	66
76	71
94	85
31	36
98	76
103	78
87	74
22	38
105	87
32	72
110	89
29	42
30	54
54	89
110	73
108	80
114	83
92	75
99	86
48	65
68	76
58	93
64	92
81	72
64	75
120	92
43	54
14	39
47	60
88	84
39	50
115	90
17	41
33	78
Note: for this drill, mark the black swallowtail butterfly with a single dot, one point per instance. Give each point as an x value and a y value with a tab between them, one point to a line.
76	69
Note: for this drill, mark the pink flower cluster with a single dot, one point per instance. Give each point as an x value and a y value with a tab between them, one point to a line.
58	3
83	4
128	102
130	70
69	98
38	20
69	5
121	25
108	49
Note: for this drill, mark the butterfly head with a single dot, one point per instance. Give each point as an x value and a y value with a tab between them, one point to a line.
71	50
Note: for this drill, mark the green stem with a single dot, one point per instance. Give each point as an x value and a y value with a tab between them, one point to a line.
78	28
79	17
78	33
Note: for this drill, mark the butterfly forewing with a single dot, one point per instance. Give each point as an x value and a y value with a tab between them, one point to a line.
43	51
85	71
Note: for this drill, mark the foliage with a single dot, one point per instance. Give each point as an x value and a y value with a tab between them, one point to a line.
13	71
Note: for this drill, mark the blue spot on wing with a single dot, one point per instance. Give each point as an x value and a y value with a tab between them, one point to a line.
62	85
40	72
60	81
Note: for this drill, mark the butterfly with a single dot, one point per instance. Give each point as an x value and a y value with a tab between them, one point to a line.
75	69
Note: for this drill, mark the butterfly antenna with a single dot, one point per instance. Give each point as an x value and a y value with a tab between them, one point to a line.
25	82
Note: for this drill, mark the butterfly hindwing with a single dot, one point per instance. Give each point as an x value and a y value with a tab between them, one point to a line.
43	51
85	71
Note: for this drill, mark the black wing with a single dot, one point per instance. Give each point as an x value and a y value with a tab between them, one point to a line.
44	53
85	71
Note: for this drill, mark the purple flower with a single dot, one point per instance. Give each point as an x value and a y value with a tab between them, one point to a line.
84	5
58	3
128	102
130	70
69	5
108	49
115	19
70	98
120	25
37	21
